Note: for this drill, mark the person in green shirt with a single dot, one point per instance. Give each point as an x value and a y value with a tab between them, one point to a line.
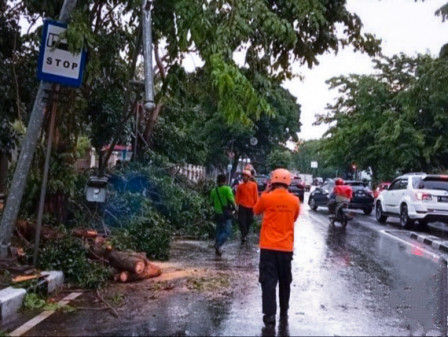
221	196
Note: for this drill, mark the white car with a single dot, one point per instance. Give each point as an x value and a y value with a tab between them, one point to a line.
414	196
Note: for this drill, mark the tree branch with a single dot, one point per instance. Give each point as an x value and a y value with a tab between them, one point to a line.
152	122
159	62
126	111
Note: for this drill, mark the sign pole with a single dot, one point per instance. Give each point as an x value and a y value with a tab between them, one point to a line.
43	190
26	155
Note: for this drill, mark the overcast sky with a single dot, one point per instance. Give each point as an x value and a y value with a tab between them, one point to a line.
403	25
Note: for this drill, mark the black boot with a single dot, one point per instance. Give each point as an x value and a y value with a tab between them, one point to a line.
218	250
269	319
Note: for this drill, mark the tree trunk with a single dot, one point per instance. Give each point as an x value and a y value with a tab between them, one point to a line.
132	262
57	205
125	261
150	270
236	159
152	122
100	158
3	172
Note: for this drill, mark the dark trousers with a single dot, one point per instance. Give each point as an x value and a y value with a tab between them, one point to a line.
245	219
275	267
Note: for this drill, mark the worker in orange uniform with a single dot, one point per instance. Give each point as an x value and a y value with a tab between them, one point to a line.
280	211
246	197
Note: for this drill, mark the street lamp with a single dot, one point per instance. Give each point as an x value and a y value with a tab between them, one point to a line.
354	169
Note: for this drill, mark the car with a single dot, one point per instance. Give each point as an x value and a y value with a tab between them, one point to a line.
414	197
381	187
262	182
318	181
297	188
362	196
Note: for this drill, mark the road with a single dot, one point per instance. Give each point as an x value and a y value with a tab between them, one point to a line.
367	279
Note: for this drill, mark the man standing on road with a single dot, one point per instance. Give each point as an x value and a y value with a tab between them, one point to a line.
221	197
246	198
280	211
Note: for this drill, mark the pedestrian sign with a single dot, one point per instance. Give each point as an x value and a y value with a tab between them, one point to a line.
56	62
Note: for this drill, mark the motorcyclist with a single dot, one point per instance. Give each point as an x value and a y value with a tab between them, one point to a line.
343	194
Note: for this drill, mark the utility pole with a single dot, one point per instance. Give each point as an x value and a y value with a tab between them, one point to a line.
147	55
26	153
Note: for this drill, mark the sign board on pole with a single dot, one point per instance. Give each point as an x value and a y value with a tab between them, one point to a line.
56	63
314	164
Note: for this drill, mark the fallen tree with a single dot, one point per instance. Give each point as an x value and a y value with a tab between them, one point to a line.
128	266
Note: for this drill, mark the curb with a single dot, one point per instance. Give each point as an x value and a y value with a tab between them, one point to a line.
430	241
11	298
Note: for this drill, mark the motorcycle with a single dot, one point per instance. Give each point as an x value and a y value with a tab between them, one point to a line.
340	215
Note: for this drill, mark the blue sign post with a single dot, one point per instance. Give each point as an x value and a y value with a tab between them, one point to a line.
56	63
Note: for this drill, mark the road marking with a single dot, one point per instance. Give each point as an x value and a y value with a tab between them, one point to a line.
431	254
42	316
375	228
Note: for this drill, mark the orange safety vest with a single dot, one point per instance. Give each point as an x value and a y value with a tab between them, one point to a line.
247	194
280	211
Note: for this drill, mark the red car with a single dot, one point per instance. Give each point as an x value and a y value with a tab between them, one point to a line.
382	186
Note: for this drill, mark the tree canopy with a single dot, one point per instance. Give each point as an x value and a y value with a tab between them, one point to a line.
392	121
219	106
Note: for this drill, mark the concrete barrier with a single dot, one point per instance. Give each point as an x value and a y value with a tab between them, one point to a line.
11	299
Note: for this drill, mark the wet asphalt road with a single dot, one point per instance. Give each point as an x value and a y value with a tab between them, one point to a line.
367	279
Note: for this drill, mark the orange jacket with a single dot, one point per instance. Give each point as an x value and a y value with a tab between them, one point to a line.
247	194
343	191
281	209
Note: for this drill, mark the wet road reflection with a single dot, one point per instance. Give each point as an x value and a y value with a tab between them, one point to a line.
353	281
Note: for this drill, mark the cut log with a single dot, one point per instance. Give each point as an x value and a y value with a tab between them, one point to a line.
125	261
131	262
151	270
28	230
100	240
23	278
98	252
124	276
25	229
51	234
141	255
17	251
85	233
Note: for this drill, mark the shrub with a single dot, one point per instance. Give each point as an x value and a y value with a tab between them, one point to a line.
69	255
183	204
148	232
